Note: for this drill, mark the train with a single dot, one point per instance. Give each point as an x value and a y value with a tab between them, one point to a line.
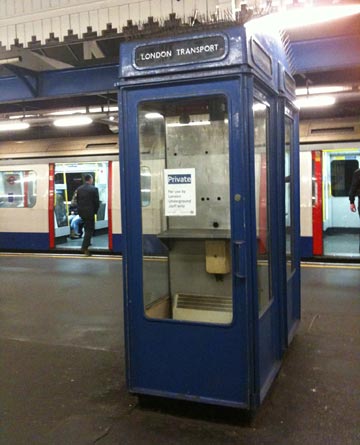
38	179
329	155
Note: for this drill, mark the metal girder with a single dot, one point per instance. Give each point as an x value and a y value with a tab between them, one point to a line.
26	76
58	83
325	54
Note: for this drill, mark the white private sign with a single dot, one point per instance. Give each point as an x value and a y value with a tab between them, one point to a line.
180	192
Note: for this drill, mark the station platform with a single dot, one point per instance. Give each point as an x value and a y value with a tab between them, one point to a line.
62	366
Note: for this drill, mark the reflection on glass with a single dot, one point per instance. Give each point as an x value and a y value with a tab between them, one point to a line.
17	189
262	202
184	168
145	184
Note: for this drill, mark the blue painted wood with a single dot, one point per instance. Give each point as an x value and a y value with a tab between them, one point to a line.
168	356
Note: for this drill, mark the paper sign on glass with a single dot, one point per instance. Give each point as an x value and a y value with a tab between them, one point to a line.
180	192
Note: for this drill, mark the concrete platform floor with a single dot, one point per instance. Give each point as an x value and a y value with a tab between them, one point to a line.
62	364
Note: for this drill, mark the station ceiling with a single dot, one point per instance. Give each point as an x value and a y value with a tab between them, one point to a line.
323	55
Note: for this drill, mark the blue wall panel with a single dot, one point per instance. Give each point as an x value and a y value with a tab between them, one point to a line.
24	241
306	247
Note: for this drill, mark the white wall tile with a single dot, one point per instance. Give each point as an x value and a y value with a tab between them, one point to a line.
3	35
114	17
20	33
45	4
155	8
45	16
64	25
46	28
38	30
29	32
103	18
134	12
75	23
10	7
36	5
2	9
11	35
124	15
19	7
144	11
56	27
179	8
94	20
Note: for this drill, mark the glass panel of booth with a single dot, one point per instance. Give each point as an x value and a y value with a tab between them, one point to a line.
261	149
185	196
288	195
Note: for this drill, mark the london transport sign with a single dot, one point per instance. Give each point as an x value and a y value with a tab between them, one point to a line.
180	52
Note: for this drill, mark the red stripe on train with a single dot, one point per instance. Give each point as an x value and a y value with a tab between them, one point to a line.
317	210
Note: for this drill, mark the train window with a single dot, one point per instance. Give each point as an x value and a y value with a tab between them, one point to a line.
261	141
75	179
341	176
60	208
184	144
145	177
17	189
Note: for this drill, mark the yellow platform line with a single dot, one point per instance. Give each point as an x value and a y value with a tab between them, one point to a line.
95	256
330	265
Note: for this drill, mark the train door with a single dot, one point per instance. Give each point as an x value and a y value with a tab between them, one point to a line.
68	231
340	226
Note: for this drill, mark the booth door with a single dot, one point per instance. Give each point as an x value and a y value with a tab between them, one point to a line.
186	250
268	255
292	229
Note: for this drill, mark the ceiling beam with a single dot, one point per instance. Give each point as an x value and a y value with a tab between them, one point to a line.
59	83
326	54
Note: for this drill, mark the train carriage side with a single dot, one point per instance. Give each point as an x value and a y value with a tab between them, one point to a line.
37	182
330	153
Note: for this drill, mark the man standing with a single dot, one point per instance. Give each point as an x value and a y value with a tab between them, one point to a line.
355	191
88	205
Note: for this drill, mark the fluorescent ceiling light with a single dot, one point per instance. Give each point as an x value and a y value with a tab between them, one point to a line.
315	101
68	112
259	107
9	126
190	124
153	116
323	90
72	121
95	110
21	116
10	60
309	15
103	109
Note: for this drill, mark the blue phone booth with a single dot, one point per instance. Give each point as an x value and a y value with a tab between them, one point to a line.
210	213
